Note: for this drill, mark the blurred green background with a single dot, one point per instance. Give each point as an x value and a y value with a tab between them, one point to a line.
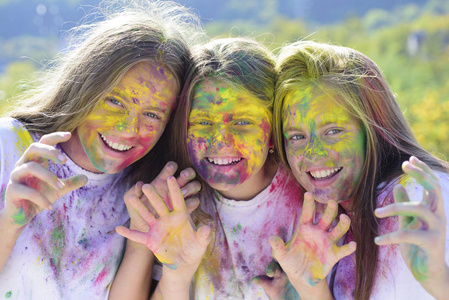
409	40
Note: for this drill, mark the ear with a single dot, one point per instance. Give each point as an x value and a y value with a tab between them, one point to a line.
271	142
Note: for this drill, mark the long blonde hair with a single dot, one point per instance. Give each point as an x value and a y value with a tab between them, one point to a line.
357	84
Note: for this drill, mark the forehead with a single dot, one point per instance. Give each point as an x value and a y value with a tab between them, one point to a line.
312	102
214	94
148	80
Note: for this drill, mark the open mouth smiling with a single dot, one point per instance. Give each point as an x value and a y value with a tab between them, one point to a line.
224	161
324	174
115	146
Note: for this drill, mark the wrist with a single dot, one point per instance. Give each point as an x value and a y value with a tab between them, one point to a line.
319	291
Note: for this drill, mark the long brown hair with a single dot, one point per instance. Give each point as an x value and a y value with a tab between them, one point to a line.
357	84
101	53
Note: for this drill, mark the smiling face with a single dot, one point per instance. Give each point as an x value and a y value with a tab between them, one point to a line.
228	137
127	122
324	144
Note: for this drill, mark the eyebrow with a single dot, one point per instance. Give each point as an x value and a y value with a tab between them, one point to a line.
153	108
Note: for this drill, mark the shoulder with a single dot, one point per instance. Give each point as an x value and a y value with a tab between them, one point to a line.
14	134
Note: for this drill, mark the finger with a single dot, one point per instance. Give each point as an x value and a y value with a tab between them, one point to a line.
346	250
278	249
142	211
407	209
423	178
133	235
340	230
156	201
168	170
329	215
192	203
54	138
175	194
23	192
185	176
420	238
415	161
308	209
263	281
138	189
273	269
34	170
40	153
73	183
190	189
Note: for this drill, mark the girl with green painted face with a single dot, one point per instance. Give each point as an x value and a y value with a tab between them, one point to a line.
67	150
224	132
340	131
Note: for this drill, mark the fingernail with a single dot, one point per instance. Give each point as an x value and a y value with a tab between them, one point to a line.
184	192
377	239
171	166
170	177
185	173
60	184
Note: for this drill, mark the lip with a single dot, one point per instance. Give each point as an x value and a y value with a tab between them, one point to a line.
112	152
323	182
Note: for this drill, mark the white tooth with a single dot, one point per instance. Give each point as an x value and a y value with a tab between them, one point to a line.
323	173
220	161
216	161
115	145
314	174
328	172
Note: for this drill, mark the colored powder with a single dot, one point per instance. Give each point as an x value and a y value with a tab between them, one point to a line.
20	218
8	294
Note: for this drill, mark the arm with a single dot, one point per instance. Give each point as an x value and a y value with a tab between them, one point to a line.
310	254
32	188
422	229
144	202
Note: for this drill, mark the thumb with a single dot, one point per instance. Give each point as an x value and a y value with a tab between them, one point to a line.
278	249
203	235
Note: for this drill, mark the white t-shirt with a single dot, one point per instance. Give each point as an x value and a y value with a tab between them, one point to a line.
393	280
241	250
71	251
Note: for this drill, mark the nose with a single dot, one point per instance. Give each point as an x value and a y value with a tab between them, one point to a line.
220	136
315	148
129	125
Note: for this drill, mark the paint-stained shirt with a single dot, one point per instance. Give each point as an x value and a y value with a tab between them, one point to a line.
241	250
393	280
70	251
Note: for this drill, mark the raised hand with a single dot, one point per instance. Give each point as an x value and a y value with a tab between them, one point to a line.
422	229
312	251
171	235
32	187
159	185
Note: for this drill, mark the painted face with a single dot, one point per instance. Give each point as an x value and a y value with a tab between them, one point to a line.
128	122
228	135
325	145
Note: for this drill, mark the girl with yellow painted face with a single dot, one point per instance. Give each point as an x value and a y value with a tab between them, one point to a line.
224	131
68	149
340	131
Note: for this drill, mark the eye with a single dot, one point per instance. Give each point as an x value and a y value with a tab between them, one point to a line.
333	131
115	101
205	123
152	115
242	123
297	137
